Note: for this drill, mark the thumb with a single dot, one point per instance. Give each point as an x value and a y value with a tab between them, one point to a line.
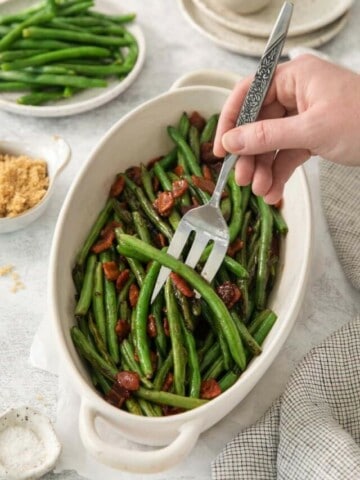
269	135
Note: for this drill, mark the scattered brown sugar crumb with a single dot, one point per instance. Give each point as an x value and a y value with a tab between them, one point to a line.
9	271
23	183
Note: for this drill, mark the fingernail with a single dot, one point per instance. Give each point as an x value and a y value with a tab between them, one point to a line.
233	141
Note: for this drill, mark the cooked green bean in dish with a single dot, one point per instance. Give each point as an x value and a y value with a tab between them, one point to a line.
184	349
58	48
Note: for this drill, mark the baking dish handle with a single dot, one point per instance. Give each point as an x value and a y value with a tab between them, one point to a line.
214	78
136	461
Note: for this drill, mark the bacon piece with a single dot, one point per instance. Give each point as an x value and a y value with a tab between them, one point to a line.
107	236
151	326
207	153
134	173
167	410
229	293
160	240
117	187
206	185
166	327
128	380
235	247
133	294
181	285
179	187
197	120
169	379
111	270
207	172
122	329
164	203
117	395
209	389
122	279
179	170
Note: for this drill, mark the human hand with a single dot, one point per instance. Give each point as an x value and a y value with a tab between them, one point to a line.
312	108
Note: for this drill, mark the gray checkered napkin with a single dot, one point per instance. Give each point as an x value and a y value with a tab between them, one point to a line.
313	430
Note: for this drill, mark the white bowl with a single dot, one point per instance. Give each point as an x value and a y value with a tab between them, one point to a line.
138	137
54	151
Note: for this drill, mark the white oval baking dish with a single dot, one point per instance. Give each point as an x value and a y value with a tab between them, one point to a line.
138	137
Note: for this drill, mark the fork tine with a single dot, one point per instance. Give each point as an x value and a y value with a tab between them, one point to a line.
176	246
215	260
197	248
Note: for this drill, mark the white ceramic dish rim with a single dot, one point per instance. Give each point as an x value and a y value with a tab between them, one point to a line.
74	105
64	152
247	25
254	46
191	426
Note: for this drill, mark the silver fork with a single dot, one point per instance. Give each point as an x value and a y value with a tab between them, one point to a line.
207	221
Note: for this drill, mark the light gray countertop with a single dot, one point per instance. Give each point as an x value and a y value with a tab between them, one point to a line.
173	48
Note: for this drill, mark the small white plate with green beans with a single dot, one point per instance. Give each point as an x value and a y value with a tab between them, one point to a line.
61	58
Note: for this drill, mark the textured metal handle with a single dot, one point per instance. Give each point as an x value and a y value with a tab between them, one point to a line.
258	90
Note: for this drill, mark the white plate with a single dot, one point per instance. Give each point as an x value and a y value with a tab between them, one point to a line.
253	46
309	15
88	99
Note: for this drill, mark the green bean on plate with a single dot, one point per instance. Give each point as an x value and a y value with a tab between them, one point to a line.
182	351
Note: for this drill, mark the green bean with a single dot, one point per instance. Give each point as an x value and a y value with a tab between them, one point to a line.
279	222
141	320
76	37
98	301
133	406
109	29
129	17
208	342
185	149
176	339
84	327
81	21
21	16
241	255
54	69
102	218
99	342
215	369
127	353
102	382
156	311
97	70
11	55
149	210
39	98
185	309
147	409
224	348
57	55
37	17
63	24
264	252
123	309
76	8
182	163
210	356
194	141
141	227
85	349
125	290
262	332
228	380
13	86
124	215
235	267
193	360
246	337
146	180
134	247
169	160
163	371
166	398
242	283
225	207
259	318
204	197
86	292
236	211
209	130
162	176
50	80
111	312
29	44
